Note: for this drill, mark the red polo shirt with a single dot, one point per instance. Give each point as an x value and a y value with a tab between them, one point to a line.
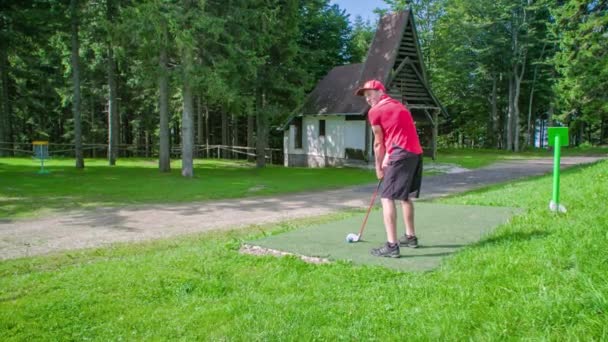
397	125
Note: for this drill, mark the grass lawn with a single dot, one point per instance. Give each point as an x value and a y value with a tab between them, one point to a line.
137	181
23	193
476	158
540	277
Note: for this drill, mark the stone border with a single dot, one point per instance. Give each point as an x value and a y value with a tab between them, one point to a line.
258	250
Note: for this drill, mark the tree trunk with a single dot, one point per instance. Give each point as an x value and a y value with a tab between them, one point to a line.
493	124
603	131
200	139
515	128
224	134
207	130
126	135
518	78
93	127
510	114
113	124
5	107
235	132
164	158
550	115
529	126
76	80
262	132
519	66
250	141
147	143
187	131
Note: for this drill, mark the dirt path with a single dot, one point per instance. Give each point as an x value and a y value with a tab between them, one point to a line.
103	226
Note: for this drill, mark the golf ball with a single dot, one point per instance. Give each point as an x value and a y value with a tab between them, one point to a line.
351	238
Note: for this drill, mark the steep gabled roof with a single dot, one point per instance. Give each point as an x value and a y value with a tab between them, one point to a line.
335	93
383	49
409	73
394	57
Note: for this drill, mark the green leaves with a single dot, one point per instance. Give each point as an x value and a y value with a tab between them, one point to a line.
582	62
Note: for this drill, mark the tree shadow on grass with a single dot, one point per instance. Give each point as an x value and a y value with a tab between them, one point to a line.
440	246
420	251
512	237
455	248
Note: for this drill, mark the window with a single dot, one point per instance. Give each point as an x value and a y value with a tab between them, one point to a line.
321	128
297	122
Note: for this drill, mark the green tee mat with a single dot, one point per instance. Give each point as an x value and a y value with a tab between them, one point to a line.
441	229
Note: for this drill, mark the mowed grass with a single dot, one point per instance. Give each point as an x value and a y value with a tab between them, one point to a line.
542	276
24	193
476	158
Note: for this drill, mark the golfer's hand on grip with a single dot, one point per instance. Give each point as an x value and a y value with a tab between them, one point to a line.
379	173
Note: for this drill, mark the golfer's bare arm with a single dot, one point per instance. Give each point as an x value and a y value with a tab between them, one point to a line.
379	149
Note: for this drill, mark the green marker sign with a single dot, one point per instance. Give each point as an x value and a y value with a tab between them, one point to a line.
558	137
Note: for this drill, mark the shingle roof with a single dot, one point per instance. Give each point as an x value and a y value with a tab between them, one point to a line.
394	58
335	93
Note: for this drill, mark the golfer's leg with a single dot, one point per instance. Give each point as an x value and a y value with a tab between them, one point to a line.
390	216
408	217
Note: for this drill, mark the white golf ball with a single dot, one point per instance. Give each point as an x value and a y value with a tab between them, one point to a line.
351	237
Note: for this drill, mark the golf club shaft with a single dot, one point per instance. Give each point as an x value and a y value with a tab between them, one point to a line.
371	204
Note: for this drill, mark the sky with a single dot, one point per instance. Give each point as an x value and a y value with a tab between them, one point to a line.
364	8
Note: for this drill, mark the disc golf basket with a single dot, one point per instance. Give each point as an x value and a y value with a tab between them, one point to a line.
41	152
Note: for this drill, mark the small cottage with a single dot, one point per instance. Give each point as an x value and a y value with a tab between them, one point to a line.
331	128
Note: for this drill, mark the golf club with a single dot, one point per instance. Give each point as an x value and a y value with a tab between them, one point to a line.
356	238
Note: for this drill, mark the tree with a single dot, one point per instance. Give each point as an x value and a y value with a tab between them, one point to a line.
153	46
580	28
427	14
484	54
186	45
75	64
323	33
360	39
5	108
280	80
113	124
164	162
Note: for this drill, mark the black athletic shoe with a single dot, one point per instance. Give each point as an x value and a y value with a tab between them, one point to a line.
387	251
408	241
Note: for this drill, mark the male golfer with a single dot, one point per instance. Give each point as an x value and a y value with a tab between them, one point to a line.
398	157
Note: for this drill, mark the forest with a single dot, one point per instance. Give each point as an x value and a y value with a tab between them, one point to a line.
170	78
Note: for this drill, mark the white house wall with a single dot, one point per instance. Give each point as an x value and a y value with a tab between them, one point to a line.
316	150
332	144
326	150
334	137
354	134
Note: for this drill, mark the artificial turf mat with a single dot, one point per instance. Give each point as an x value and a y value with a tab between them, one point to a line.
441	229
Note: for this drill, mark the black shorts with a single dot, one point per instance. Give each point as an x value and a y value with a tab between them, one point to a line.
402	177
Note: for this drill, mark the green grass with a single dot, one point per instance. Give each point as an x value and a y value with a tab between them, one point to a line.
540	277
24	193
476	158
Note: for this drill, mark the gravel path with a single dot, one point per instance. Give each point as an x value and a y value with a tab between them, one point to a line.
103	226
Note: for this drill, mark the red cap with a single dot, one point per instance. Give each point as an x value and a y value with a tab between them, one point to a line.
369	85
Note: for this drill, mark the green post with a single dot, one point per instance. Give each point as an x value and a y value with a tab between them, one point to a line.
558	137
556	162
